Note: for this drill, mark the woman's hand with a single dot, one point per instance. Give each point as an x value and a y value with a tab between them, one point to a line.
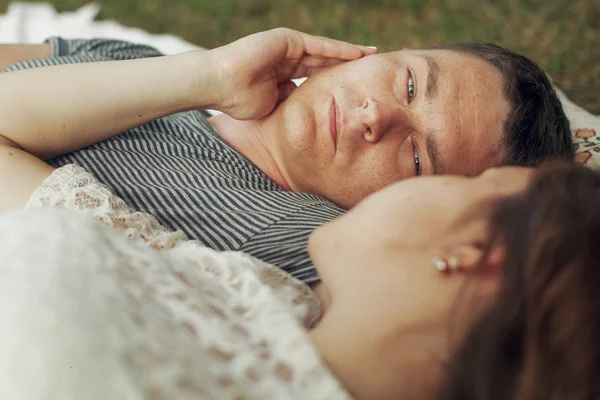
255	72
99	100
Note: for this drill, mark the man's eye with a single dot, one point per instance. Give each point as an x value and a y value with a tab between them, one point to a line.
410	87
417	158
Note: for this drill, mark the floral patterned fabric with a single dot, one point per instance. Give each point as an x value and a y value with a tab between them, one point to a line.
585	128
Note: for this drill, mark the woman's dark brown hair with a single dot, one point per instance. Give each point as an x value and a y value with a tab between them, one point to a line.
541	338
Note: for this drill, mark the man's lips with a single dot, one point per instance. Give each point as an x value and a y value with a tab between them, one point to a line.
333	126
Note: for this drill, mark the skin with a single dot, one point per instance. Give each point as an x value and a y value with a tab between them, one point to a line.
283	130
97	101
13	53
380	127
390	318
386	309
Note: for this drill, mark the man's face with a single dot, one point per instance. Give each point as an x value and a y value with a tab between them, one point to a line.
357	127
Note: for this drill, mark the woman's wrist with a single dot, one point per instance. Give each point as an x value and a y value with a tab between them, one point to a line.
201	80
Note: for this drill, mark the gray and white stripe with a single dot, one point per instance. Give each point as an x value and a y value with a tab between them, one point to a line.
181	171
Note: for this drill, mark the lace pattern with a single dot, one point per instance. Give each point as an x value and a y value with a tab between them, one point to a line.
73	188
112	317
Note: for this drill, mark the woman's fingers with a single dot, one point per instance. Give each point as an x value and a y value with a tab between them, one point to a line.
368	50
275	56
318	61
325	47
314	65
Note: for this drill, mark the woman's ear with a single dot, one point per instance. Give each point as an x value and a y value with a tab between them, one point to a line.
473	255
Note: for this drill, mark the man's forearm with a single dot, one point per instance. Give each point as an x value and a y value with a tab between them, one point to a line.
53	110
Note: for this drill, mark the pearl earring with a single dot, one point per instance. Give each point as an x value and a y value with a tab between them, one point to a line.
454	263
442	265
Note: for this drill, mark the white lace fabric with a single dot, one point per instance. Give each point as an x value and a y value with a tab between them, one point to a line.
73	188
88	313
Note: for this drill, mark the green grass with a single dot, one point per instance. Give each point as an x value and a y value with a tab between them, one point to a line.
563	36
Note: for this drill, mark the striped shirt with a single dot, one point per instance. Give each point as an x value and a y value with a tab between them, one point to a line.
180	170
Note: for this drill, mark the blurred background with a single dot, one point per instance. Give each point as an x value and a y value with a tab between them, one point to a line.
563	36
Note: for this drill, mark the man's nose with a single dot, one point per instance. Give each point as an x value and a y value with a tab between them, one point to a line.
380	117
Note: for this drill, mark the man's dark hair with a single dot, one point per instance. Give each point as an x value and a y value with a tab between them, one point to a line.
537	128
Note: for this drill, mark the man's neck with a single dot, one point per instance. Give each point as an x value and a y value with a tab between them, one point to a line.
255	140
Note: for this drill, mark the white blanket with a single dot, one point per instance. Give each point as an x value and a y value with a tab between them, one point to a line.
34	22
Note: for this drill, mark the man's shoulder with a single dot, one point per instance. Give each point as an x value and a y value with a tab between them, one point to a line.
283	242
304	211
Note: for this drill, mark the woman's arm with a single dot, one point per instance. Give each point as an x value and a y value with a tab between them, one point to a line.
54	110
20	174
13	53
45	112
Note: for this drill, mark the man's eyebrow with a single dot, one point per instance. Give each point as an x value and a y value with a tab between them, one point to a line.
433	153
432	77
